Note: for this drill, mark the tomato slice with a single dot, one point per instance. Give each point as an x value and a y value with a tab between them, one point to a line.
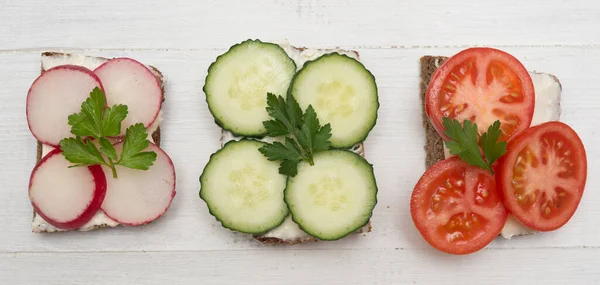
542	176
456	208
482	85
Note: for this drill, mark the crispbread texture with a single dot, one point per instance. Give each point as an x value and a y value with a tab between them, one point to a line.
434	144
156	135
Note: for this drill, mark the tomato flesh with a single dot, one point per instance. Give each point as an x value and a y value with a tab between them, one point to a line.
456	208
482	85
542	176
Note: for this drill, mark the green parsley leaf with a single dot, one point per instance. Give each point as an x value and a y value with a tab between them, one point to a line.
80	127
310	126
321	139
140	160
279	151
111	121
464	142
289	167
97	121
277	108
294	113
275	128
312	134
305	135
276	151
492	148
135	142
83	153
88	122
108	149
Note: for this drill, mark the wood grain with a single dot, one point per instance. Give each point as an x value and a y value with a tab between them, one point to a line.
182	38
156	24
331	267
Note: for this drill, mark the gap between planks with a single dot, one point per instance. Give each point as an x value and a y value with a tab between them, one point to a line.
287	248
363	47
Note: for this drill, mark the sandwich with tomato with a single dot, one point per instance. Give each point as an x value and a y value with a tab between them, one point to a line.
499	161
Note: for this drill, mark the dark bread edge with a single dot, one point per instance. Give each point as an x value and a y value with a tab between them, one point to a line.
156	135
434	144
272	240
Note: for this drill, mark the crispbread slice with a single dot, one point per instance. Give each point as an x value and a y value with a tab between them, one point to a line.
296	54
156	135
434	144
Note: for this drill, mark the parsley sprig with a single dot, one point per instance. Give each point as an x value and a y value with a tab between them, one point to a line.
465	142
97	121
304	135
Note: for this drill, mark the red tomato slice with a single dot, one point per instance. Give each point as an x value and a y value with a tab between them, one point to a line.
482	85
456	208
542	176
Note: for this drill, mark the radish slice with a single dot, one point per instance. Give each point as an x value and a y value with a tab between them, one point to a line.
139	197
66	198
130	83
53	96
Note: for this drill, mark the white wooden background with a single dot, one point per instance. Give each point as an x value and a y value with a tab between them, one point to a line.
182	38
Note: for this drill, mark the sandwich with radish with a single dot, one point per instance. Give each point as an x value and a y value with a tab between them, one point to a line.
96	121
291	166
499	161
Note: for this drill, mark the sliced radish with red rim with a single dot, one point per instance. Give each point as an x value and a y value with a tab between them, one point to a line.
66	198
139	197
128	82
53	96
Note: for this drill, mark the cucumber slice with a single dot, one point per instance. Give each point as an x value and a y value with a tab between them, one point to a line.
238	81
242	189
334	197
342	92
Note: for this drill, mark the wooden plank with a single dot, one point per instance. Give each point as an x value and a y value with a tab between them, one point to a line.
188	24
525	266
395	147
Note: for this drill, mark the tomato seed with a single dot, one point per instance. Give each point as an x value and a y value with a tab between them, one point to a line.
532	197
448	184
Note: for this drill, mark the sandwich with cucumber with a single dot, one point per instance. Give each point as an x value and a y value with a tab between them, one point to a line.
499	161
291	166
99	161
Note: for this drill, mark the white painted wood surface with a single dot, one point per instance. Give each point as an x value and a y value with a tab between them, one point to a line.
181	38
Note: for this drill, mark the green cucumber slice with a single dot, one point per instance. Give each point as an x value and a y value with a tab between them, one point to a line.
334	197
238	81
342	92
242	189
